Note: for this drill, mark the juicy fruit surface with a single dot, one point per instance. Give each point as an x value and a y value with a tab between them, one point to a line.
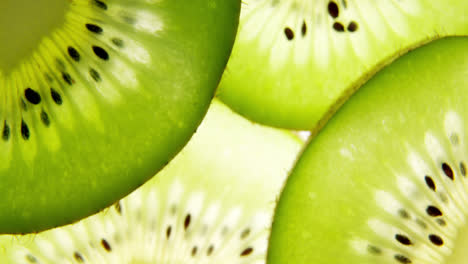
294	62
212	204
385	180
104	102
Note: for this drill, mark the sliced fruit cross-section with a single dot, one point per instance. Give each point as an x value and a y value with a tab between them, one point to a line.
212	204
386	181
97	96
295	61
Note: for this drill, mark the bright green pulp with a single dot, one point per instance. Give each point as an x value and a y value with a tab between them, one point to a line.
123	114
298	83
228	187
364	180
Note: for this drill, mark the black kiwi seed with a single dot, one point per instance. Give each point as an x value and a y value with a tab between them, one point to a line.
441	222
32	96
447	170
304	28
106	245
48	77
333	9
129	20
101	53
45	118
118	208
95	75
436	240
430	183
194	251
463	169
6	131
403	214
187	221
74	54
403	239
100	4
245	233
94	28
55	96
78	257
24	130
433	211
23	105
60	64
246	252
337	26
345	4
289	33
67	78
31	258
352	27
421	223
210	250
118	42
374	250
168	232
402	259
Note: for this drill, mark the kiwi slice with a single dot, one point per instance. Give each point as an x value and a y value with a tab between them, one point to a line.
295	62
385	181
212	204
97	96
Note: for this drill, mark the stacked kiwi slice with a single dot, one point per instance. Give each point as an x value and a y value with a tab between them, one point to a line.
212	204
97	96
295	61
385	181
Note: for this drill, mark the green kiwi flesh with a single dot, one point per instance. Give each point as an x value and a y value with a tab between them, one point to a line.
100	96
212	204
385	180
294	62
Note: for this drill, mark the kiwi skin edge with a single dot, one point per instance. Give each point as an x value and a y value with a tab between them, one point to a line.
389	194
353	87
291	82
101	102
213	203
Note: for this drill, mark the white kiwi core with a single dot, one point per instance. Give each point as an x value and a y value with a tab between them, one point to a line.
23	23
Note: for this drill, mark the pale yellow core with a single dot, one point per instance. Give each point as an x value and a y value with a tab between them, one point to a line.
23	24
460	251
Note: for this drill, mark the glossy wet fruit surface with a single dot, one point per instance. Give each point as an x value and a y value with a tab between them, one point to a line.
212	204
385	181
99	96
295	61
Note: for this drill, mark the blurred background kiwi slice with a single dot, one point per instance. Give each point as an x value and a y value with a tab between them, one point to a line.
295	62
212	204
